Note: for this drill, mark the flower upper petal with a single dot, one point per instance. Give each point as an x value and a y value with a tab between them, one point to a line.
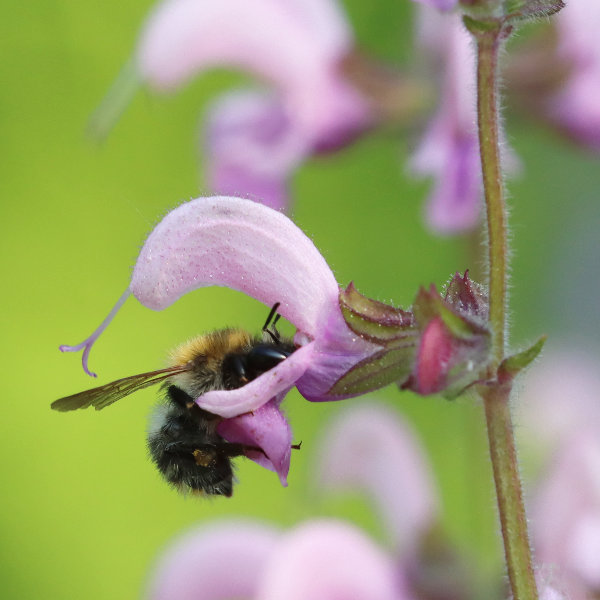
276	40
295	45
242	245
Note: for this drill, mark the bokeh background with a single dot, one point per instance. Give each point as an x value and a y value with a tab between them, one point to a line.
82	511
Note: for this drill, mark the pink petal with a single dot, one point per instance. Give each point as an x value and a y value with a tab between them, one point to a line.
442	5
295	45
268	429
327	23
566	506
369	448
242	245
560	399
455	202
577	25
276	381
337	349
549	593
183	37
584	548
434	356
329	560
449	151
253	147
575	107
218	562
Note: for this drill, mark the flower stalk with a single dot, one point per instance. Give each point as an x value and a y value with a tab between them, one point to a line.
489	37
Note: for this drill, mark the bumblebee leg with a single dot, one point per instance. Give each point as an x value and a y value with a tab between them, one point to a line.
205	457
230	449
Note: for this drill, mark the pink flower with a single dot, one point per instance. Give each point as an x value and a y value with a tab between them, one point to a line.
249	247
566	510
368	448
449	151
321	559
575	107
256	139
443	5
560	418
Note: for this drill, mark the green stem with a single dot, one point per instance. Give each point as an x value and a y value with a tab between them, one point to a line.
508	492
488	125
496	396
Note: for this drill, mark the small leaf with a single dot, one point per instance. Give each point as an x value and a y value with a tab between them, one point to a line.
391	365
510	367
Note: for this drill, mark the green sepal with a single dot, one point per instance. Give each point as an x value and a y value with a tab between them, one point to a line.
533	9
514	6
391	365
373	320
511	366
475	26
429	304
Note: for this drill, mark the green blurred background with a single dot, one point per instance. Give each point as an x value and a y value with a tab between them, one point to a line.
83	513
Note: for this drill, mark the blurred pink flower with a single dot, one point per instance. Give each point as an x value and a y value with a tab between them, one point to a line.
575	107
321	559
249	247
368	448
442	5
560	398
449	150
549	593
566	515
255	139
560	414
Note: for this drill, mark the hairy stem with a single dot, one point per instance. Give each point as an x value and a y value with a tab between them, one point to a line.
496	396
488	127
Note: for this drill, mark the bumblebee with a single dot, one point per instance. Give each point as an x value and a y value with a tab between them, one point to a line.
182	440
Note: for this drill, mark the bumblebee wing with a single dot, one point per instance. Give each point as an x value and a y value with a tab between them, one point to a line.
105	395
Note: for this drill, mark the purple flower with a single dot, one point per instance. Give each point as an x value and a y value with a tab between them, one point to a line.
256	139
249	247
575	107
321	559
449	150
